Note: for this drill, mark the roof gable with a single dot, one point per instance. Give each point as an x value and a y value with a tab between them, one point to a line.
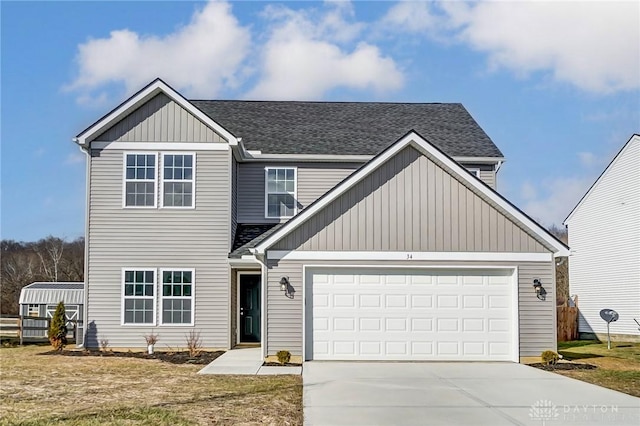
137	100
634	140
417	142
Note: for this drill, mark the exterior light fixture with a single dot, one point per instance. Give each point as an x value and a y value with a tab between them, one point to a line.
284	283
541	293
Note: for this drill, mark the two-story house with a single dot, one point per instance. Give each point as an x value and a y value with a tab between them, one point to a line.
333	230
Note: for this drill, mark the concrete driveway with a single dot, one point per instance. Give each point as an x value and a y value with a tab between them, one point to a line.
379	393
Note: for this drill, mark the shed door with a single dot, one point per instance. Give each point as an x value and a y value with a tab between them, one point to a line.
401	314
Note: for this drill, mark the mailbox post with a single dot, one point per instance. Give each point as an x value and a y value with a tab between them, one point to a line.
609	315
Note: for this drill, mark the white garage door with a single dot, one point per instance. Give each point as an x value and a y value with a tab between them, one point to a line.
402	314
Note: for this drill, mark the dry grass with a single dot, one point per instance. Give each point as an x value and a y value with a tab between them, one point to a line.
618	368
44	389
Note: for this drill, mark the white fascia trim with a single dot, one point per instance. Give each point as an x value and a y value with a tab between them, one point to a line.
409	256
477	160
155	87
309	157
161	146
422	145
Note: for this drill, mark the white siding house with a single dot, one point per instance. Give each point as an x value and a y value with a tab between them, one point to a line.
604	236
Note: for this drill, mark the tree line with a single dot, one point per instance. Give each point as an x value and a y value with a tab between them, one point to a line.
49	259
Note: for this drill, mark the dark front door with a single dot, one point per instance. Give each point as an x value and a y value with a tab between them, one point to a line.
249	308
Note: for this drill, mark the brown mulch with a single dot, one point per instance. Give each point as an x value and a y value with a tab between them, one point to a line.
564	366
277	364
182	357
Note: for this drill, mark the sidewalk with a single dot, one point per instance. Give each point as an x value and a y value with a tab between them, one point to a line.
247	361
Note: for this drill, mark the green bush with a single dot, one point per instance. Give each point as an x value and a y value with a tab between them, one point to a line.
58	328
283	357
549	357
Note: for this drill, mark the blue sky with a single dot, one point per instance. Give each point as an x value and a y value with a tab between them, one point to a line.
556	85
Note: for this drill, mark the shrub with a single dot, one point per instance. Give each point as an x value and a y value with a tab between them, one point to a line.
58	328
151	338
283	357
549	357
194	343
104	345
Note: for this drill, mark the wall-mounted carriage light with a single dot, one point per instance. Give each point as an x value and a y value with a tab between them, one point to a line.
284	283
541	293
286	286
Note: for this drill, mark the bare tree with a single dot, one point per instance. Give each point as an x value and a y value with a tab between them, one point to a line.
49	259
562	265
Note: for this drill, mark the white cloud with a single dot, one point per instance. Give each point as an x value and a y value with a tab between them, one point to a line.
594	46
588	159
198	58
74	158
559	198
409	16
304	56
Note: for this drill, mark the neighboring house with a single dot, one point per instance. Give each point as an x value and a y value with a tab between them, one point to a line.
40	299
604	235
332	230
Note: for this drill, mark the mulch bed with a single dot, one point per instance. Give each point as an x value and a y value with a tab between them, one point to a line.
182	357
564	366
277	364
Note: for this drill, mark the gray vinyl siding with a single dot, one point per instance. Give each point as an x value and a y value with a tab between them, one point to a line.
234	198
410	203
314	179
160	120
487	172
155	238
536	317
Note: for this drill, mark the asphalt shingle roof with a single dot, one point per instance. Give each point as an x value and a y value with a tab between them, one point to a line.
248	236
348	128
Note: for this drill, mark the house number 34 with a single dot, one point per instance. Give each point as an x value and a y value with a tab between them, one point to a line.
409	256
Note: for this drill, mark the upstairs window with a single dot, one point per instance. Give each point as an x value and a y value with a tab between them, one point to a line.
140	180
474	171
280	196
178	180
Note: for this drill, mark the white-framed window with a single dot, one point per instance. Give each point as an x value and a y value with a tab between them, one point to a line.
474	171
138	296
177	300
280	192
178	179
140	180
33	310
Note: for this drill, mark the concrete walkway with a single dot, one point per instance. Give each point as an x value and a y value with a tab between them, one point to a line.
364	393
246	361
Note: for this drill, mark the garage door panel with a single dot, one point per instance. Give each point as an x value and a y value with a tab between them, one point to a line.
408	315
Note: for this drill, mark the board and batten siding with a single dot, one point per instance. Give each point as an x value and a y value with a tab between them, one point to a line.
536	318
158	238
160	120
314	179
410	203
604	236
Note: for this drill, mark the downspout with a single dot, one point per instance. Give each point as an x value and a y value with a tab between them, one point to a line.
85	309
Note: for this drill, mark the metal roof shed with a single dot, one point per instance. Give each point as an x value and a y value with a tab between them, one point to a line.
39	299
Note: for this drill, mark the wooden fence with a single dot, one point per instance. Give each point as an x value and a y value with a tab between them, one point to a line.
18	327
567	322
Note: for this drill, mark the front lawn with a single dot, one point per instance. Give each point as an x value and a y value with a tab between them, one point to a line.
47	389
617	368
